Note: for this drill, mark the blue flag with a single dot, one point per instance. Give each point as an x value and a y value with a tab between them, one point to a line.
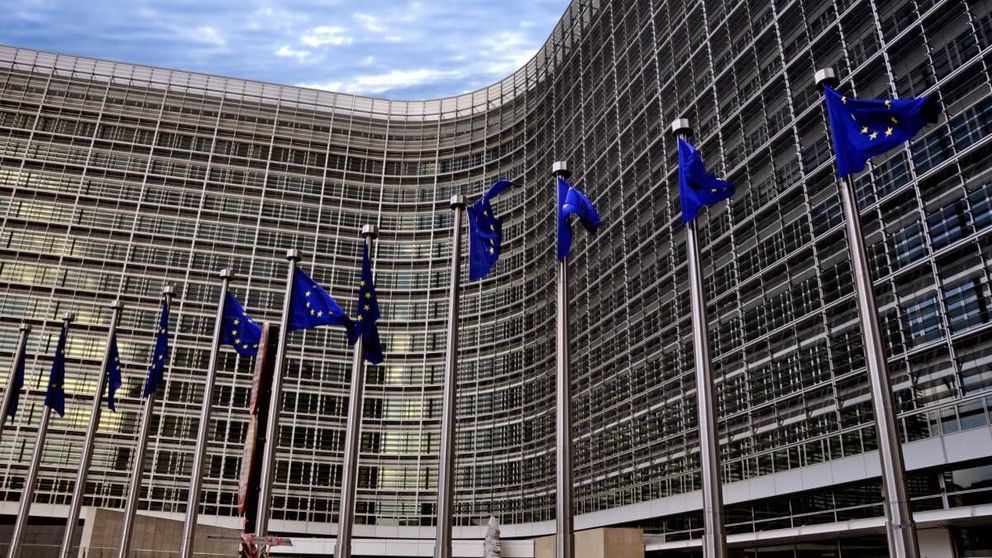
238	329
697	188
861	129
114	379
16	385
55	398
573	202
368	313
311	306
156	371
485	232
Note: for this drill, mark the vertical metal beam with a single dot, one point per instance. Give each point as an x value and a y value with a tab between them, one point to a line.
203	431
138	462
79	490
446	460
27	496
564	522
8	394
275	405
714	533
353	435
900	527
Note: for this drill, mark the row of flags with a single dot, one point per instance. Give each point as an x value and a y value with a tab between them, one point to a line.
860	130
310	306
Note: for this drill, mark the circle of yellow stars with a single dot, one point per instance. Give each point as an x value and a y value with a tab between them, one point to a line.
873	134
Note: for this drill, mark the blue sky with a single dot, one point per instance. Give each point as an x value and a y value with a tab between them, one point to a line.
398	49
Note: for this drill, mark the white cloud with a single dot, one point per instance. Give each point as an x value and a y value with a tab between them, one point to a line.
287	51
211	36
375	84
326	35
506	52
370	22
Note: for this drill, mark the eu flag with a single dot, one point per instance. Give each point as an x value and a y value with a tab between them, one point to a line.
368	313
55	398
485	232
697	188
238	329
16	385
114	379
861	129
156	371
311	306
573	202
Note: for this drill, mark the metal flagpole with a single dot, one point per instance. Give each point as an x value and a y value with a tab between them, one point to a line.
8	394
564	523
138	463
352	438
95	410
714	533
275	405
203	432
900	527
446	460
28	494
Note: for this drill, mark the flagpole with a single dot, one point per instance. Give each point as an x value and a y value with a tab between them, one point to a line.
446	459
564	523
714	534
27	495
8	394
900	528
79	490
275	405
349	473
138	462
203	432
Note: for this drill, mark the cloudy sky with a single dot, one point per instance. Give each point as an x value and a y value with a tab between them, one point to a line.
398	49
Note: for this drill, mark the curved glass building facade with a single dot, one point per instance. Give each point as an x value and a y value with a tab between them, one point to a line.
116	179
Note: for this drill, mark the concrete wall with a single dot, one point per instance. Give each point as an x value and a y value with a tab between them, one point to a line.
936	543
154	537
598	543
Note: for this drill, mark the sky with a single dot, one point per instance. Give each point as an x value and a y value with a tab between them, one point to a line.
395	49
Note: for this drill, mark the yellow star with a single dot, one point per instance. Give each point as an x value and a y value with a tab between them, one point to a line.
362	284
312	312
873	135
893	120
888	132
255	346
307	293
236	340
491	251
888	103
368	295
160	357
844	99
864	129
359	317
492	228
308	304
367	307
234	332
320	313
244	346
236	322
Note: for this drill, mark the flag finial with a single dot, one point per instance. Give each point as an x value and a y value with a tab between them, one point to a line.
681	127
560	168
826	76
370	231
